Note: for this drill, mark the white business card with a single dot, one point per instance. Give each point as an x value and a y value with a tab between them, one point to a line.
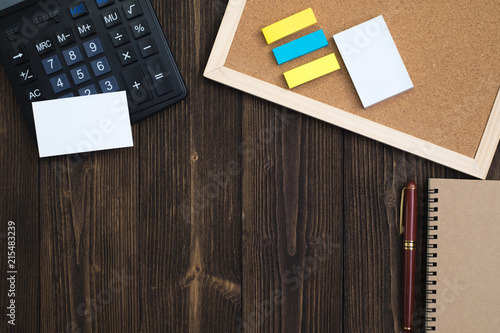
82	124
373	61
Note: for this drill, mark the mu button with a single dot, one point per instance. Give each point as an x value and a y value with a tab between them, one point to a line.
137	85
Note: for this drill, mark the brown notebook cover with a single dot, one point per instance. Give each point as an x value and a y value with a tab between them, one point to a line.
463	269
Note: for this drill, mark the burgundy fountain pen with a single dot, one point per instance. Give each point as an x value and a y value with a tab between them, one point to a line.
409	200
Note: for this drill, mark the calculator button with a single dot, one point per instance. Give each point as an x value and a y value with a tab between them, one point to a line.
127	55
67	95
72	56
147	48
20	56
80	74
160	77
119	36
109	85
93	47
111	18
78	9
65	37
132	10
27	75
140	29
100	66
137	85
87	91
51	64
34	94
59	83
44	45
86	28
104	3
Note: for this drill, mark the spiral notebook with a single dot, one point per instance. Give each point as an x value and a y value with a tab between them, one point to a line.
463	256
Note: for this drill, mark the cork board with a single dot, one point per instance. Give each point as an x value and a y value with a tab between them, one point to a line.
450	49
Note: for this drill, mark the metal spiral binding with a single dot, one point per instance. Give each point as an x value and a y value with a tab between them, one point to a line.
432	228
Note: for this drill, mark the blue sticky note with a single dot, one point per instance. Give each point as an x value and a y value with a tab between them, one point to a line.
299	47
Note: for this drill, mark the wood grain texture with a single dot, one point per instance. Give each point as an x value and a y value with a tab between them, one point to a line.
292	221
19	202
229	214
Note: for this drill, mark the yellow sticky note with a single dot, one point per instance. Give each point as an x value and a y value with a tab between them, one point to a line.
311	70
289	25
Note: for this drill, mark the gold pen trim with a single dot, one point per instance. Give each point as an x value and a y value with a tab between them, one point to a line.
407	328
401	228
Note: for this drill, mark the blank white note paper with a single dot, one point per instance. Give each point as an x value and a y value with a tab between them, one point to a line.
373	61
82	124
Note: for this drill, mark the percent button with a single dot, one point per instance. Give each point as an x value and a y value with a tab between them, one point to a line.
140	29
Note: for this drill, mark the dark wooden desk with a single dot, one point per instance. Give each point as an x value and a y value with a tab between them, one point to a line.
229	213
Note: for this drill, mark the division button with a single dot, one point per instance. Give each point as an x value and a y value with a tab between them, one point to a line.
132	10
86	28
147	48
27	75
127	55
159	77
34	94
119	37
137	86
65	37
78	9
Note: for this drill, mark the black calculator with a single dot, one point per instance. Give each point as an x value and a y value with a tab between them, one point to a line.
60	48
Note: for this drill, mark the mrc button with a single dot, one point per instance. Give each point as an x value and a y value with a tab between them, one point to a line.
78	9
44	45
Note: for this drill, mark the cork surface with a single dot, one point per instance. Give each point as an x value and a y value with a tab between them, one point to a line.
450	49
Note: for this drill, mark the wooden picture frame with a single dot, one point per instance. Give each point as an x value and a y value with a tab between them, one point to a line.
216	70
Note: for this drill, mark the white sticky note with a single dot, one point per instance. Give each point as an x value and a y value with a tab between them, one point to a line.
82	124
373	61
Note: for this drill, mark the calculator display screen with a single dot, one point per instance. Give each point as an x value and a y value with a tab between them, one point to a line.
8	3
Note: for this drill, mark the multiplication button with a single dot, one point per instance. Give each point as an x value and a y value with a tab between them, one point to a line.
127	55
137	85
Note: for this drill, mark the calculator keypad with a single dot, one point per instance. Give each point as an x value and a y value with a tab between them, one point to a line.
100	46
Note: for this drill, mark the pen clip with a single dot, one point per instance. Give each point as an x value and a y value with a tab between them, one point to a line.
401	228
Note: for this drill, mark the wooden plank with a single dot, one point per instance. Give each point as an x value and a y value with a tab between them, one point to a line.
190	190
89	251
373	263
292	221
18	203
